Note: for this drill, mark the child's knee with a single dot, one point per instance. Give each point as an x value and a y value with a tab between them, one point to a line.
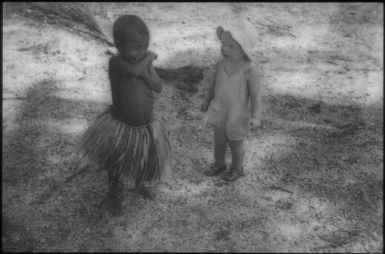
220	143
220	136
237	146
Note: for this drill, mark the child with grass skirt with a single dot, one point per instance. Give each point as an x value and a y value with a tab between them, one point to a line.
127	139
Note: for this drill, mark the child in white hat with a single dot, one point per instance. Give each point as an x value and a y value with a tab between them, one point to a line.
232	97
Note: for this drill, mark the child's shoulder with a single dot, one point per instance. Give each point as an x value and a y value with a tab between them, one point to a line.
218	63
253	69
117	62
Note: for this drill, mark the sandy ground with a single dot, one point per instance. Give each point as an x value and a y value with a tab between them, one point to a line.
314	171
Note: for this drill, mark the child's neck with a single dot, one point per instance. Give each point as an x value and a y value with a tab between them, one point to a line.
131	60
232	65
235	62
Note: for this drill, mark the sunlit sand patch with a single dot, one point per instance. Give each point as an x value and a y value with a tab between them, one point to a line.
303	124
374	87
190	189
358	86
316	87
9	113
92	95
73	126
258	152
296	83
304	222
290	231
63	71
193	55
306	37
55	158
276	195
38	58
32	55
266	145
314	206
32	70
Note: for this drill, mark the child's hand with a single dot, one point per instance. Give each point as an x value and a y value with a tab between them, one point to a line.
205	105
147	61
151	70
112	51
151	55
255	123
148	72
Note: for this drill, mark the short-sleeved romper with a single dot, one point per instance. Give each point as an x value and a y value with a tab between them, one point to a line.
229	110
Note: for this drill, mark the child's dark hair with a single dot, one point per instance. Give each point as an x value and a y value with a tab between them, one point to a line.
130	29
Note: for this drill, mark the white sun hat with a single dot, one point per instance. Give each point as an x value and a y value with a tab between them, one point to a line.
243	32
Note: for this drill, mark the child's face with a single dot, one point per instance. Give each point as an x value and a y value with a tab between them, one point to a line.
230	49
134	52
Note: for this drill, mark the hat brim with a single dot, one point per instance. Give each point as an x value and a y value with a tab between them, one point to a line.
239	32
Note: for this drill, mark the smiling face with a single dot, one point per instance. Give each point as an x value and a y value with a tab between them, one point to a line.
230	49
133	52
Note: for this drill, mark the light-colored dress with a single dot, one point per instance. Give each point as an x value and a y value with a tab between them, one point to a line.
230	110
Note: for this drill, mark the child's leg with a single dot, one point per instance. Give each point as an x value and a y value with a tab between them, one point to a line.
112	183
141	189
238	153
114	201
138	184
220	146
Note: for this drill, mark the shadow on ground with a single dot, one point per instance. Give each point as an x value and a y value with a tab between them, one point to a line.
38	155
330	144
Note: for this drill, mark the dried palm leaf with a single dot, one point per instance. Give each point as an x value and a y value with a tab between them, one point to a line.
78	13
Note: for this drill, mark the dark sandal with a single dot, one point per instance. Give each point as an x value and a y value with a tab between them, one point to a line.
233	174
214	170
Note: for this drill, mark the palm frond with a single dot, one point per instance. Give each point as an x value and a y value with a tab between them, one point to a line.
78	13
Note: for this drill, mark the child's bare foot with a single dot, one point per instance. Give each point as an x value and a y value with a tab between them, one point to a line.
144	192
214	170
233	174
114	204
141	190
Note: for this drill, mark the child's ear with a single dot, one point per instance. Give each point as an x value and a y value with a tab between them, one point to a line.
219	32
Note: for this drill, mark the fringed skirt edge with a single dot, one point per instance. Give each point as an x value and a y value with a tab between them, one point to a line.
139	152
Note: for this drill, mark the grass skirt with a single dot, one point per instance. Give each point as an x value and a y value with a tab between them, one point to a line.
139	152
